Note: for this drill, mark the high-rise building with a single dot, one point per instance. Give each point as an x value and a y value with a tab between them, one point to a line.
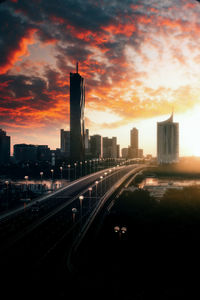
87	137
65	142
133	148
96	146
4	147
124	152
134	138
118	151
77	127
110	147
167	141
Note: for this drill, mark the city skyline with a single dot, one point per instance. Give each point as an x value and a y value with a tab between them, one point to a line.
117	45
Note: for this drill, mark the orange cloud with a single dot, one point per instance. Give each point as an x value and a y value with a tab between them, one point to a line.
21	50
126	29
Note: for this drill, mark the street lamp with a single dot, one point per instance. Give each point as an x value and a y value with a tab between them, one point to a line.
41	174
120	231
52	174
26	178
7	183
101	178
85	166
75	170
90	165
68	172
61	168
96	183
90	192
74	212
81	168
81	201
105	180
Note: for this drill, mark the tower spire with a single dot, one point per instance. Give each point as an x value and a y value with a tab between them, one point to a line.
77	67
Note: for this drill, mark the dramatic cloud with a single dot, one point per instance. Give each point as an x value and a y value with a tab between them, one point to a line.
140	59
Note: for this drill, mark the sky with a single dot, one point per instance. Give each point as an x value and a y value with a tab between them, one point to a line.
140	60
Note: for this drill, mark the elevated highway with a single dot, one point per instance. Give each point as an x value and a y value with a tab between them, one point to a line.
36	243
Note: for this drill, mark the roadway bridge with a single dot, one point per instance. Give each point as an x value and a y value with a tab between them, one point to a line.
35	242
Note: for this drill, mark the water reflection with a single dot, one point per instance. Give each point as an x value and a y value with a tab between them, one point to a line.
149	181
158	186
45	185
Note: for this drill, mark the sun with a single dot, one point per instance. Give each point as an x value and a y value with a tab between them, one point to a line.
189	128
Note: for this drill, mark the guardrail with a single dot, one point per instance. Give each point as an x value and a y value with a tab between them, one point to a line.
94	213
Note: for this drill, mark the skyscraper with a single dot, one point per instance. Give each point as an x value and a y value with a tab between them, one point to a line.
4	147
65	142
109	147
87	138
96	146
77	105
133	149
134	138
167	141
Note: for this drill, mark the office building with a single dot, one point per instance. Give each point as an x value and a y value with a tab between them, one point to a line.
124	152
134	138
109	147
4	147
77	127
133	149
167	141
25	153
87	140
96	146
31	153
43	153
132	152
118	151
140	153
65	143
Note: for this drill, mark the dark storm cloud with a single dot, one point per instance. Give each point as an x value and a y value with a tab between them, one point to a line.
20	90
14	32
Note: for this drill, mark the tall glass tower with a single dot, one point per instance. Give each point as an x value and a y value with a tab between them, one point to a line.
167	141
77	126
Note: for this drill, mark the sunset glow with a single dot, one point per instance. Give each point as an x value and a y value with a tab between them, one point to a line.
140	60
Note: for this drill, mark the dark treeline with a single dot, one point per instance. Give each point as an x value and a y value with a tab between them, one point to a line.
159	254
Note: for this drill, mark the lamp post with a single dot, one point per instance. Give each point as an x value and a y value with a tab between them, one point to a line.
61	168
69	166
75	164
96	183
81	167
105	180
26	178
41	174
81	202
74	212
52	178
120	231
90	192
101	178
52	174
7	183
90	165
